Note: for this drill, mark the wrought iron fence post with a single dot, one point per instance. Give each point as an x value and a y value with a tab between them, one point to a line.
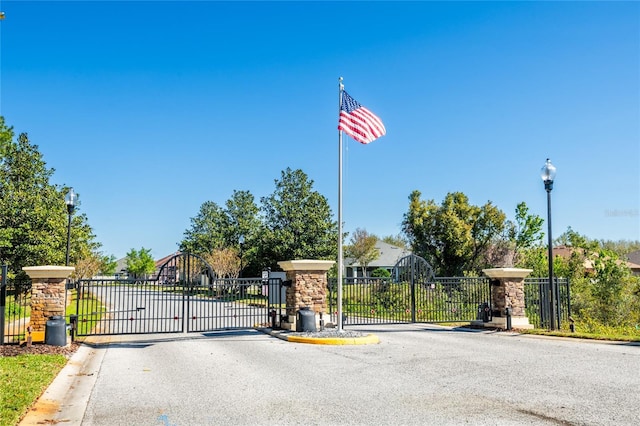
413	291
558	303
3	301
571	324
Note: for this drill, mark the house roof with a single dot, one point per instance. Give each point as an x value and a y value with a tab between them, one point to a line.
164	260
121	264
389	256
634	257
565	252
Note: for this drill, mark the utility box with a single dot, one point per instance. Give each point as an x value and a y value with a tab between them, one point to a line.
306	320
55	332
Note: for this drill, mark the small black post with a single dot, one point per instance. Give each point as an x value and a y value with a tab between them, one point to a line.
508	313
73	319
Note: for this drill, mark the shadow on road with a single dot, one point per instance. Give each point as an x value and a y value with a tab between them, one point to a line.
143	341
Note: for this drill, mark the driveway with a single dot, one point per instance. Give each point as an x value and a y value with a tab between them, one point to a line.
418	374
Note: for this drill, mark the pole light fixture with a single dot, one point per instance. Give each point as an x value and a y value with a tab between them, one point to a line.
548	174
241	243
71	200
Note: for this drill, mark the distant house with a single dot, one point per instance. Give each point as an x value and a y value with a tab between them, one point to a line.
634	257
565	252
123	273
389	256
164	260
121	269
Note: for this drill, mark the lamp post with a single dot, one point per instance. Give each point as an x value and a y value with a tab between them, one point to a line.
241	242
548	173
71	199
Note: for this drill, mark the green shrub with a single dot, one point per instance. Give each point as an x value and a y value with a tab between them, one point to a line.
380	273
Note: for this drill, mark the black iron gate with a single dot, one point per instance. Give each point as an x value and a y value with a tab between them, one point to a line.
411	294
184	296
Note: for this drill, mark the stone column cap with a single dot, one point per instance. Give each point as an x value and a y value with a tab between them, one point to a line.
306	265
48	271
507	272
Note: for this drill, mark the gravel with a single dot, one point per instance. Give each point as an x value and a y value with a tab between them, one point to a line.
330	333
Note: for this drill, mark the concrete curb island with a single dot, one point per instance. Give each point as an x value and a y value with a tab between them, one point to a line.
323	338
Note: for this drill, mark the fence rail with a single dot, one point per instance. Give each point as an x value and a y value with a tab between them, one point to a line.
15	309
383	301
538	304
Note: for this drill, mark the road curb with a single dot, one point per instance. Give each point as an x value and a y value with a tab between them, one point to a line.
65	400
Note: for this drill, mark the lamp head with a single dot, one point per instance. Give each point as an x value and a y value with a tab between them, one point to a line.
71	199
548	173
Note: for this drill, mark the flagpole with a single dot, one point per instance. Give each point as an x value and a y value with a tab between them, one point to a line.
340	330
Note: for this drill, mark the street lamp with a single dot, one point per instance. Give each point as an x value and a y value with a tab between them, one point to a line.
71	199
241	242
548	173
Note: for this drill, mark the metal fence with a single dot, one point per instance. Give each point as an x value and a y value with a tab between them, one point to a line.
538	304
15	308
383	301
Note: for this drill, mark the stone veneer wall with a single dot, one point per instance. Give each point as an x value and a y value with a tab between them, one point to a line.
47	300
509	293
308	289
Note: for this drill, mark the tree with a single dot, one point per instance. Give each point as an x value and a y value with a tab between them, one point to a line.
140	262
216	228
621	247
524	232
363	249
33	219
244	220
298	222
108	264
224	262
88	266
607	292
453	236
604	293
207	230
396	240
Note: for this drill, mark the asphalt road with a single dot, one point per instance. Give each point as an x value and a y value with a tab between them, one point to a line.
418	374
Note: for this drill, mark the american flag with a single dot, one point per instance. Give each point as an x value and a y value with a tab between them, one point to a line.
358	122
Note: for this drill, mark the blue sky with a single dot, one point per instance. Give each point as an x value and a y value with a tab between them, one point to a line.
148	109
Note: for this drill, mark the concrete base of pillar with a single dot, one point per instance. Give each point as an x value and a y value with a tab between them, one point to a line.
289	324
37	337
521	323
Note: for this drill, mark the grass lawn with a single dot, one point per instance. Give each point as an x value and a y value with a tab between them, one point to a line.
23	378
618	337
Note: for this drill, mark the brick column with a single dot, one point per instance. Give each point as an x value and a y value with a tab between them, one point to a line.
48	287
507	291
308	287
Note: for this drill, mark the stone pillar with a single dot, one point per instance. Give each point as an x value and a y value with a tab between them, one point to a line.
507	291
308	288
48	295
